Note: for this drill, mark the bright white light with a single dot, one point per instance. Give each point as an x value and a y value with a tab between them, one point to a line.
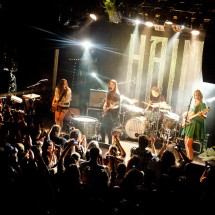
137	21
210	99
93	16
149	24
93	74
86	44
168	22
177	28
195	32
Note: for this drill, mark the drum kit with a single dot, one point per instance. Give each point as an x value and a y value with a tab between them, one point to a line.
135	121
161	123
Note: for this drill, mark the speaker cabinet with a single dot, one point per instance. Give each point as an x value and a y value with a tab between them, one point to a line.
96	99
95	112
75	100
197	145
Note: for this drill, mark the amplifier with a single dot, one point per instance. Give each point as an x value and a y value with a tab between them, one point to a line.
96	99
95	112
197	145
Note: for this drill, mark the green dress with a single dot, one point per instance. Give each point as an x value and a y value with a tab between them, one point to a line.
197	128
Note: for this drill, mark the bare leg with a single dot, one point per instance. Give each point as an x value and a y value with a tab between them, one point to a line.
59	117
189	147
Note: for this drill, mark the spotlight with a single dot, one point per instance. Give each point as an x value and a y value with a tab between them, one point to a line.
93	74
168	22
195	32
149	24
137	21
177	28
93	17
86	44
159	27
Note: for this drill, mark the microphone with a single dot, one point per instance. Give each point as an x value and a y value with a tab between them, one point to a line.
43	80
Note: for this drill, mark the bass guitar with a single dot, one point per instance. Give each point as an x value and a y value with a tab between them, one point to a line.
191	115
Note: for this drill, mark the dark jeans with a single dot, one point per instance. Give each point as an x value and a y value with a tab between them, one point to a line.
106	128
109	122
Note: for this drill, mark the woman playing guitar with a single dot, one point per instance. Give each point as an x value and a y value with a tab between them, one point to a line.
194	127
110	117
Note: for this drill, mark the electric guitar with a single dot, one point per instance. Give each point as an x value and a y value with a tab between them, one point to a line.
110	107
55	106
191	115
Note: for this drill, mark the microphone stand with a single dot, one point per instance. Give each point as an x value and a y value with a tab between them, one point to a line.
31	109
157	123
34	85
186	118
124	82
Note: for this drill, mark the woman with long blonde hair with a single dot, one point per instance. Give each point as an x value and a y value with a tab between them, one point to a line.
194	127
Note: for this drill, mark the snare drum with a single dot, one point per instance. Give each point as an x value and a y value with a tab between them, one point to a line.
135	126
87	125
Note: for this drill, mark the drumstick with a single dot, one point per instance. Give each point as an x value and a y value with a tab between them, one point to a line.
146	103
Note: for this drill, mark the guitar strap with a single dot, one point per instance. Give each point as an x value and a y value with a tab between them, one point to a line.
61	96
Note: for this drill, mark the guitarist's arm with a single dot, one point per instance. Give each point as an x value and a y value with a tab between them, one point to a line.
202	115
111	106
54	102
105	107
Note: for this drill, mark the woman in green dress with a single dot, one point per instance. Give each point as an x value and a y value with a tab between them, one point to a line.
194	127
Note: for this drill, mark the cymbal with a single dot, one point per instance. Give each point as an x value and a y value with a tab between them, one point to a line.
161	105
146	103
133	108
172	115
130	101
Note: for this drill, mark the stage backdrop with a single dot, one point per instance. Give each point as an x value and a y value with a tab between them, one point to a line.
141	58
174	64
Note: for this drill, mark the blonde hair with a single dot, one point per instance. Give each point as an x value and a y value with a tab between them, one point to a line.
198	92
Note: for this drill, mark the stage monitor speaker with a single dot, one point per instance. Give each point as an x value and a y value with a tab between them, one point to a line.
197	145
96	99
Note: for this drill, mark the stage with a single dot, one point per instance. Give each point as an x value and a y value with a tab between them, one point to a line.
90	127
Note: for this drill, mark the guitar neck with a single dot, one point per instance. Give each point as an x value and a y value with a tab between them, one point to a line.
194	115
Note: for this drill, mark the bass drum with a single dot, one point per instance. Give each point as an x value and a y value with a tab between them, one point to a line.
135	126
87	125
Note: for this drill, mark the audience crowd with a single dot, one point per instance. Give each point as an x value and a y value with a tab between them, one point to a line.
51	172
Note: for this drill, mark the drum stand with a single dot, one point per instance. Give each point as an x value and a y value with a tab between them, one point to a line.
155	124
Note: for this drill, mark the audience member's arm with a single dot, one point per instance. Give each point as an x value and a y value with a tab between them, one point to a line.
119	146
152	141
84	143
181	154
163	148
69	146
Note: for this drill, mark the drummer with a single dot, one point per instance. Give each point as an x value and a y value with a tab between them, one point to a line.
156	103
156	99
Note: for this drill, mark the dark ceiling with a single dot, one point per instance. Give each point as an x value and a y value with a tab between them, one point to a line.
70	14
25	21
